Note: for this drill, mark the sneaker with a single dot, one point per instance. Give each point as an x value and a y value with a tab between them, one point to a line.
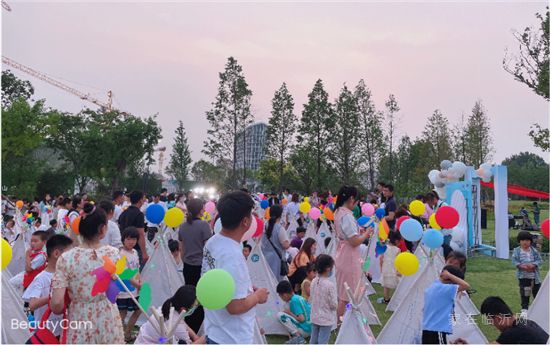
380	300
523	314
298	339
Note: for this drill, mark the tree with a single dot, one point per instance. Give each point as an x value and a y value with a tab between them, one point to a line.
14	88
392	108
206	172
180	159
436	133
459	140
229	117
479	142
269	177
315	130
528	170
281	129
371	135
306	166
344	153
530	67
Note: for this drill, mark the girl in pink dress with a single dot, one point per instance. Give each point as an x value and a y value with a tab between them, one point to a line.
348	259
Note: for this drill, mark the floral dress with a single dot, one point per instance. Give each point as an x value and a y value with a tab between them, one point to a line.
98	320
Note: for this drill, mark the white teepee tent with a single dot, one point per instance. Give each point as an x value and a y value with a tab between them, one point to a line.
262	277
12	309
322	234
374	268
162	274
291	230
17	263
311	231
464	325
355	328
538	311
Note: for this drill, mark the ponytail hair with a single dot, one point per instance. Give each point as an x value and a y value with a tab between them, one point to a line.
275	212
92	219
344	194
194	208
184	298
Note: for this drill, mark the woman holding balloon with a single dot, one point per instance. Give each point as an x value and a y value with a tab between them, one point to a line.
348	254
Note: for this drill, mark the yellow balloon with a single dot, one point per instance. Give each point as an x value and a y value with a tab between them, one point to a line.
406	263
306	199
305	207
121	265
6	253
206	217
417	208
433	222
174	217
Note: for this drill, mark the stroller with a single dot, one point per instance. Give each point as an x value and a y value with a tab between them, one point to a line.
522	220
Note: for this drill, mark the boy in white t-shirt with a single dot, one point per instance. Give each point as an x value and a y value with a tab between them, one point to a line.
38	292
233	324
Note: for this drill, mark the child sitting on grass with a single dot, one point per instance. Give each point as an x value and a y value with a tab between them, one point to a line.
390	276
527	261
310	275
296	318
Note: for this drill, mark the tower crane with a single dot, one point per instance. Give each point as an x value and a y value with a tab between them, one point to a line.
161	151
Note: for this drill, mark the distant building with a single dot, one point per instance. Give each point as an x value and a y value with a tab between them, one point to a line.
256	136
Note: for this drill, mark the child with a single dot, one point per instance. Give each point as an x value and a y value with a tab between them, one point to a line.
390	276
182	301
324	301
35	257
174	247
38	292
247	248
52	229
124	301
296	319
456	259
306	284
527	260
439	304
8	231
298	239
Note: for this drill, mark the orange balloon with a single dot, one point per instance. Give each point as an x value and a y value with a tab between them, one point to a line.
328	213
285	201
266	215
19	204
75	225
109	265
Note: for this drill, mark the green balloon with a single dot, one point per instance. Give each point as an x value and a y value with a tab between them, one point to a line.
215	289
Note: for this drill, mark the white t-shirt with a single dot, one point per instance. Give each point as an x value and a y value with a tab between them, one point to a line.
112	237
132	262
41	287
220	326
293	210
148	334
118	212
61	219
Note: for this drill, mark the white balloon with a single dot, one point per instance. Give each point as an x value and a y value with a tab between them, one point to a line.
459	168
432	175
251	230
480	172
446	164
218	226
441	192
443	174
486	166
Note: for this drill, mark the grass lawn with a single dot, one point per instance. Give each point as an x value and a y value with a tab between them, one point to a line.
488	275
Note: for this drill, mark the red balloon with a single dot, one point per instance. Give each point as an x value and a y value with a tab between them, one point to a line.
447	217
259	228
545	228
400	220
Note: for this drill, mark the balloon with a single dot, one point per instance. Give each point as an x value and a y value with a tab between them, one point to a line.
218	226
215	289
264	204
314	213
7	254
406	263
328	214
432	238
305	207
75	225
400	220
19	204
259	228
380	249
447	217
284	202
331	206
417	208
154	213
266	214
363	220
433	222
174	217
210	207
306	199
380	213
411	230
459	168
486	167
545	228
433	176
367	209
480	172
251	230
446	164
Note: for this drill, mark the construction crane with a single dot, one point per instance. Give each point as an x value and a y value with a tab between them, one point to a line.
39	75
161	151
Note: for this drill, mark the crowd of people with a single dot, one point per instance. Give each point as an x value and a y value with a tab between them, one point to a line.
57	282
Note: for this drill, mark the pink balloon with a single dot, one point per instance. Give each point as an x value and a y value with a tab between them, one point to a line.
314	213
210	207
367	209
251	230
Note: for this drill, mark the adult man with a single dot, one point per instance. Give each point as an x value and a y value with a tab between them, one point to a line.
391	205
273	200
380	188
233	324
118	200
133	216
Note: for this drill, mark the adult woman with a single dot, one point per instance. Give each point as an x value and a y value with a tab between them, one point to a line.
293	211
45	207
348	254
72	275
297	271
275	242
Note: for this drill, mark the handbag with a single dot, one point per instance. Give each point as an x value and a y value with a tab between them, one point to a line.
284	265
43	335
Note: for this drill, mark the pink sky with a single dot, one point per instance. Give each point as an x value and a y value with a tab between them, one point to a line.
166	58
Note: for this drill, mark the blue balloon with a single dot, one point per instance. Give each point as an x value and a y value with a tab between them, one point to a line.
411	230
155	213
433	238
331	206
380	249
380	213
264	204
363	220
